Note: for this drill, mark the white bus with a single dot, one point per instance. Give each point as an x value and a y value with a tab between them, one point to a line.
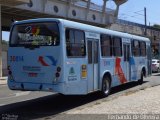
73	58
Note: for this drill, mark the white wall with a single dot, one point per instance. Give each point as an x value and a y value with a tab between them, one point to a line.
65	11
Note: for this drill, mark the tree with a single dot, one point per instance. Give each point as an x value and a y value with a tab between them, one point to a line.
156	26
4	42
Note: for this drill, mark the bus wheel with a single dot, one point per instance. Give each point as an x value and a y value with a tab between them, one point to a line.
106	86
140	81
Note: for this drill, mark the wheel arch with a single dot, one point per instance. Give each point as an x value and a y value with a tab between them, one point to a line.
106	73
144	71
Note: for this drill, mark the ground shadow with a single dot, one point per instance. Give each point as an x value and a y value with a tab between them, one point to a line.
125	86
54	104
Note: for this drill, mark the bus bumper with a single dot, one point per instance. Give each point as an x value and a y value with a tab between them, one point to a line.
35	86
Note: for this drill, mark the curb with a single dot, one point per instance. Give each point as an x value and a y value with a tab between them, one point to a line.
3	80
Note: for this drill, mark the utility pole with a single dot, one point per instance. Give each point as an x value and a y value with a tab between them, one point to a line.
104	11
88	7
145	21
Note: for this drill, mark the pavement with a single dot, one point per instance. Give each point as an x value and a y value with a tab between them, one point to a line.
47	106
134	100
145	101
3	80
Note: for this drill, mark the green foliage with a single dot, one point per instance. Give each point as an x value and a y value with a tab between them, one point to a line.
156	26
4	42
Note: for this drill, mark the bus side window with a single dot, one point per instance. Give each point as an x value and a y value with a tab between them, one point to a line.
106	45
117	46
68	47
135	48
75	43
143	48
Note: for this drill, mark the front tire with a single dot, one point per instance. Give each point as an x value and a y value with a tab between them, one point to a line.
106	86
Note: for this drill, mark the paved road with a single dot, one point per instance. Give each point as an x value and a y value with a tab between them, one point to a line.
36	105
10	97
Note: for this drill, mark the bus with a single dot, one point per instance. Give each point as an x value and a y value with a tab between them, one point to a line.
71	58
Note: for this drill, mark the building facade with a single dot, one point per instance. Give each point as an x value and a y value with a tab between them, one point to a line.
138	29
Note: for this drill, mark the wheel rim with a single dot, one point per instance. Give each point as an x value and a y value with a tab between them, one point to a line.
106	87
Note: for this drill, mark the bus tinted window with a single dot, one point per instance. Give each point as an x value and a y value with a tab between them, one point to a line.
75	43
143	48
106	45
37	34
135	48
89	44
117	46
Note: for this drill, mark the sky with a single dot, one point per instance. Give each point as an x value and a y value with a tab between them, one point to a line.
5	35
132	10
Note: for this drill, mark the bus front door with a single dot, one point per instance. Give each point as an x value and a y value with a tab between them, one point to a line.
92	65
127	66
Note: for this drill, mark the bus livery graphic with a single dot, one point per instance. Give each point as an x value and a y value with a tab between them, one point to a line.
35	31
119	71
133	64
44	63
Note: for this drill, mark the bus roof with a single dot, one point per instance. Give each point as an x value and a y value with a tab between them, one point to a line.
82	26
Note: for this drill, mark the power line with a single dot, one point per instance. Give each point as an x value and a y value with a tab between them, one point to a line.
139	11
139	14
132	16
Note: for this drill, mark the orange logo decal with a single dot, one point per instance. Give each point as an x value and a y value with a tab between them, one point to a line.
35	31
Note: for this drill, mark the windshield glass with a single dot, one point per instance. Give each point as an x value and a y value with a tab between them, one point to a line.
36	34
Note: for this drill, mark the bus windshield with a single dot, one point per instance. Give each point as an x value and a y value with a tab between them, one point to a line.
35	34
